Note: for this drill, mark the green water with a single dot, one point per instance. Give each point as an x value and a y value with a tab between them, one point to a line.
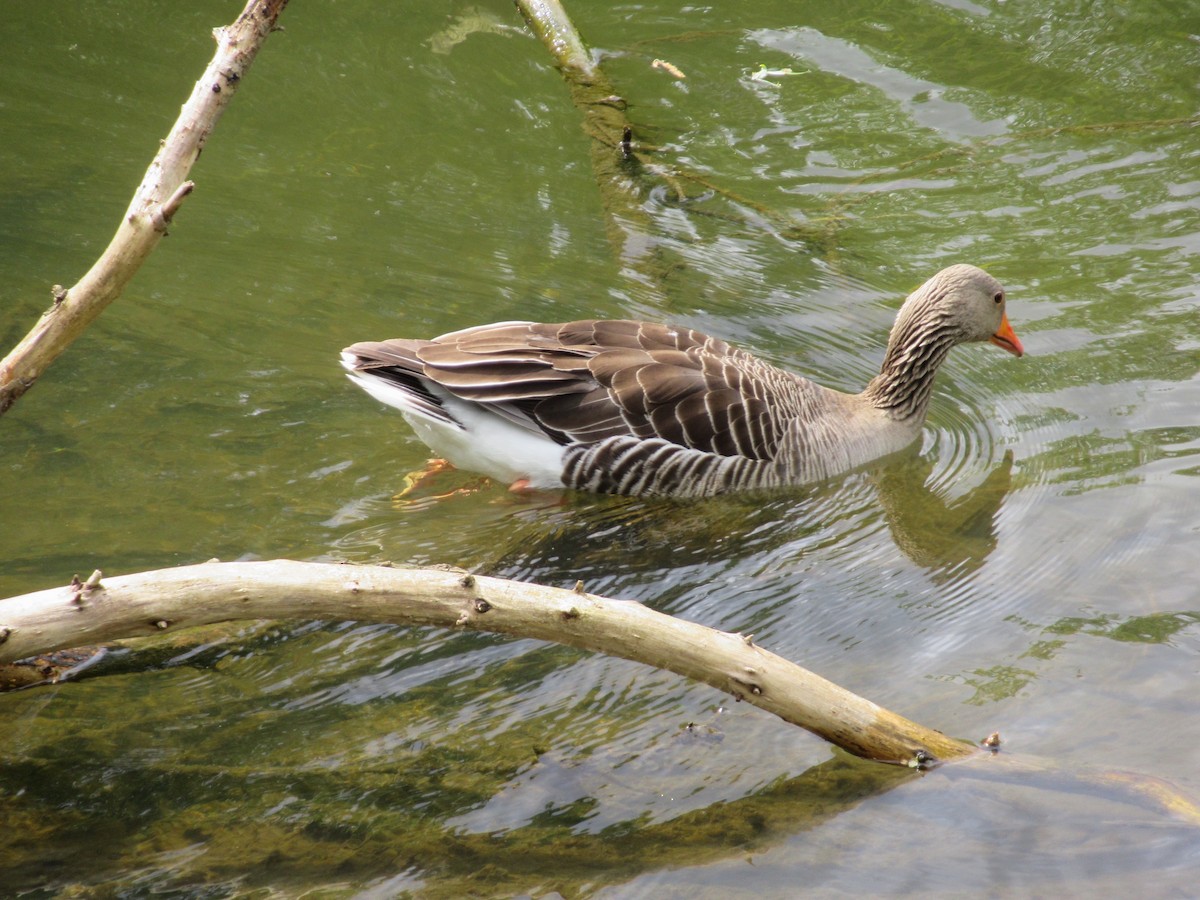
394	170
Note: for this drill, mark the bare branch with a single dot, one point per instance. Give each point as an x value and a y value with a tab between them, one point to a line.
150	602
157	199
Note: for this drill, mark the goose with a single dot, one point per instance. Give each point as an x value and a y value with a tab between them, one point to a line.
626	407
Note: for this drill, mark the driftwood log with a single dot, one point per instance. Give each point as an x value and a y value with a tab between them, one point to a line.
105	609
162	191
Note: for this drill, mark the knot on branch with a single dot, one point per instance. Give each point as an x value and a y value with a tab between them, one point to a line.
478	605
746	687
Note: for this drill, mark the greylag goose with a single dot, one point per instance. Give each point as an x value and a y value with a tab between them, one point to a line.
625	407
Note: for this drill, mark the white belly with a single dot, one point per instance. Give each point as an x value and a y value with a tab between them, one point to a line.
491	445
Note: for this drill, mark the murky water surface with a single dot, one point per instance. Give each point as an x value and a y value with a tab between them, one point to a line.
407	170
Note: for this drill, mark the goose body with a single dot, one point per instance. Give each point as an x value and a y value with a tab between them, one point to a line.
629	407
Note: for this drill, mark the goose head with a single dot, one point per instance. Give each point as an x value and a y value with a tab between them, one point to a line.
958	305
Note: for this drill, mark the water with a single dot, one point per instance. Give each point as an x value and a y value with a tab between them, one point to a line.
406	171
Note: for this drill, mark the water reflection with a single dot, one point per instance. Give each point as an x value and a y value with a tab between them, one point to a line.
948	538
923	100
1053	599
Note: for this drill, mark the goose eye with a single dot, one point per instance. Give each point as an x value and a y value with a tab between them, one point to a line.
998	297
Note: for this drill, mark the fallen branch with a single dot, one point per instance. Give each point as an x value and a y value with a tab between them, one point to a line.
101	609
159	197
105	609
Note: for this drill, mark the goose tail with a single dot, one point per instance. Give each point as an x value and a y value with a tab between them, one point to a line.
397	385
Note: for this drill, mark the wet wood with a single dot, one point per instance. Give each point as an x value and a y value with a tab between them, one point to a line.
553	27
158	198
153	602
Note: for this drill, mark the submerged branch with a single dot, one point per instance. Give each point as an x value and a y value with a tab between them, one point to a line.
157	199
152	602
550	22
624	169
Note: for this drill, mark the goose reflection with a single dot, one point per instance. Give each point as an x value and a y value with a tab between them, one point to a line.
948	538
559	538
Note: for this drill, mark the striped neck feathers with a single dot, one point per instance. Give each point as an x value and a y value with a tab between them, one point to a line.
920	340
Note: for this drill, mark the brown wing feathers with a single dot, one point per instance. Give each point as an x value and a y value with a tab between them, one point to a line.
591	380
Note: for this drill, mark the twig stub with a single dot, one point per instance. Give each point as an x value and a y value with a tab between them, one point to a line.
81	590
160	215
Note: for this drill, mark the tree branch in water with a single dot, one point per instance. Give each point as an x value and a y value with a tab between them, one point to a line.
159	197
622	166
104	609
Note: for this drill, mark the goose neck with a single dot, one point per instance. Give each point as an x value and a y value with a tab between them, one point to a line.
905	380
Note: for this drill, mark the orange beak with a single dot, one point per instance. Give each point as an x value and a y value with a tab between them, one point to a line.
1006	338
